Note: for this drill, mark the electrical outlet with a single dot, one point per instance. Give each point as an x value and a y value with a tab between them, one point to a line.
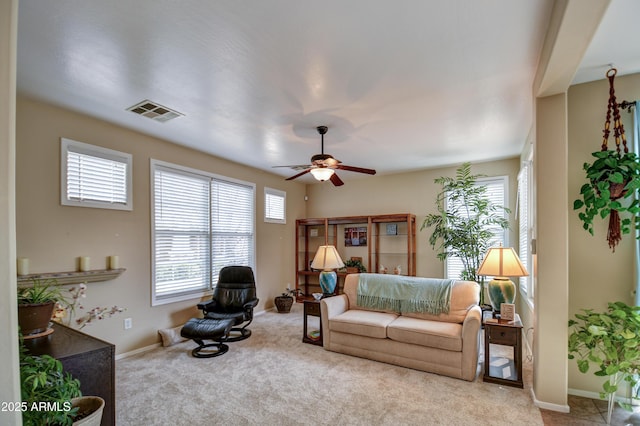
128	323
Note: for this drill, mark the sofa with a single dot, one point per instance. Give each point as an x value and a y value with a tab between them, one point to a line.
445	343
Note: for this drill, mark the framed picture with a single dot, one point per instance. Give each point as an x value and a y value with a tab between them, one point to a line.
355	237
392	229
507	311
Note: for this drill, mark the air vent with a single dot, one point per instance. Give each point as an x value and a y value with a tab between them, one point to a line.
154	111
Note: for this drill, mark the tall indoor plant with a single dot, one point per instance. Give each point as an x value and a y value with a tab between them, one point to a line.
465	223
611	342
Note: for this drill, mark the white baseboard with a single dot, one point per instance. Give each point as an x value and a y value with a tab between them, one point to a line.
547	405
137	351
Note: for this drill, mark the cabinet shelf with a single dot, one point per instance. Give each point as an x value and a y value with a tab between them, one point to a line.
64	278
398	248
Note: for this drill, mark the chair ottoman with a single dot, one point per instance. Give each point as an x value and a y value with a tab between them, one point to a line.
200	329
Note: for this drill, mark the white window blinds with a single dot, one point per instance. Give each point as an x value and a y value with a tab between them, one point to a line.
201	223
524	223
232	219
93	176
181	234
275	206
497	194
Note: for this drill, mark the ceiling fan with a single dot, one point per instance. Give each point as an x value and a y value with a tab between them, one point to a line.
323	165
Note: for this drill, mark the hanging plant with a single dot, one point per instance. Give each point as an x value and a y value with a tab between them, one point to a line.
613	177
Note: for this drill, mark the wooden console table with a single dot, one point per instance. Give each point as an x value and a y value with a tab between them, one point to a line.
90	360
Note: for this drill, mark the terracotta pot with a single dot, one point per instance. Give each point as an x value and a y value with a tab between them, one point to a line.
352	269
617	190
34	318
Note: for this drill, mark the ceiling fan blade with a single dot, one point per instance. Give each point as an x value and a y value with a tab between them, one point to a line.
356	169
298	175
335	180
294	166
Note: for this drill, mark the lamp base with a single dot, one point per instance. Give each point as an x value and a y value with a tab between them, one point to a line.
501	290
328	281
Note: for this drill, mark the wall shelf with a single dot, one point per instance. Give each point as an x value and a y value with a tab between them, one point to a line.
64	278
392	247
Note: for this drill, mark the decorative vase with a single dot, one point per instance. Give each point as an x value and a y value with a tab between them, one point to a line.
283	303
34	318
501	290
328	281
90	410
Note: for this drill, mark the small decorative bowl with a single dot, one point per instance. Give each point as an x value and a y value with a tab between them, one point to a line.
317	296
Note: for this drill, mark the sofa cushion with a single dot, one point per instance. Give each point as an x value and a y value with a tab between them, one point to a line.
436	334
364	323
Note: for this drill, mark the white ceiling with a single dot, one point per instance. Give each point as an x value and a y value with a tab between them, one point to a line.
402	85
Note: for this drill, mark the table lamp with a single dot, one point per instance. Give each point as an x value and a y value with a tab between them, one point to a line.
502	262
327	259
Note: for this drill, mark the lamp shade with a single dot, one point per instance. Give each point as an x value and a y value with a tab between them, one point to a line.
327	258
322	173
502	262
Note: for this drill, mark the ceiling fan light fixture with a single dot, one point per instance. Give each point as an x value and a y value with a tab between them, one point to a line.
322	173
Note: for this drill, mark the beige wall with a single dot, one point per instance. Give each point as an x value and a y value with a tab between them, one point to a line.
596	274
9	370
413	192
52	235
550	317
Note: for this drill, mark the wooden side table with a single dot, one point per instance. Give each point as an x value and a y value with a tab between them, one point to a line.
503	371
311	308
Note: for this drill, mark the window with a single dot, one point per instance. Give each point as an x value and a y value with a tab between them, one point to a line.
275	206
200	223
525	227
93	176
497	193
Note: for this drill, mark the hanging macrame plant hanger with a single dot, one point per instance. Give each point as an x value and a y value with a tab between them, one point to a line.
614	235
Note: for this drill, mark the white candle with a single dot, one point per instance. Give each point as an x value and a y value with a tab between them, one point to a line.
114	262
85	263
23	266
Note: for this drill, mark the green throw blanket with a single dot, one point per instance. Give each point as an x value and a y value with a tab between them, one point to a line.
404	294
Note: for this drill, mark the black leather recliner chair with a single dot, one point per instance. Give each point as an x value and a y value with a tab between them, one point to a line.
234	297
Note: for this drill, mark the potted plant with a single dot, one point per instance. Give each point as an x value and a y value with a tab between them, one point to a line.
354	266
50	396
285	300
36	304
611	342
462	226
612	177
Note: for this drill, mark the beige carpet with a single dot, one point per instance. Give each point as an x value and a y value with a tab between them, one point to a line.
273	378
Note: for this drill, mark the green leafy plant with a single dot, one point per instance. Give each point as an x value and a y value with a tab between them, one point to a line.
355	263
292	292
42	291
465	223
611	342
46	391
612	178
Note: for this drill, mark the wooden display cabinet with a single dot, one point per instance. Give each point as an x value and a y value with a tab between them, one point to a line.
379	240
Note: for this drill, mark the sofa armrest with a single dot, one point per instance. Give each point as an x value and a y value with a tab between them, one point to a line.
329	308
470	341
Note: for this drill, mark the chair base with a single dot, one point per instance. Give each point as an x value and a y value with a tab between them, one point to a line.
245	333
222	349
